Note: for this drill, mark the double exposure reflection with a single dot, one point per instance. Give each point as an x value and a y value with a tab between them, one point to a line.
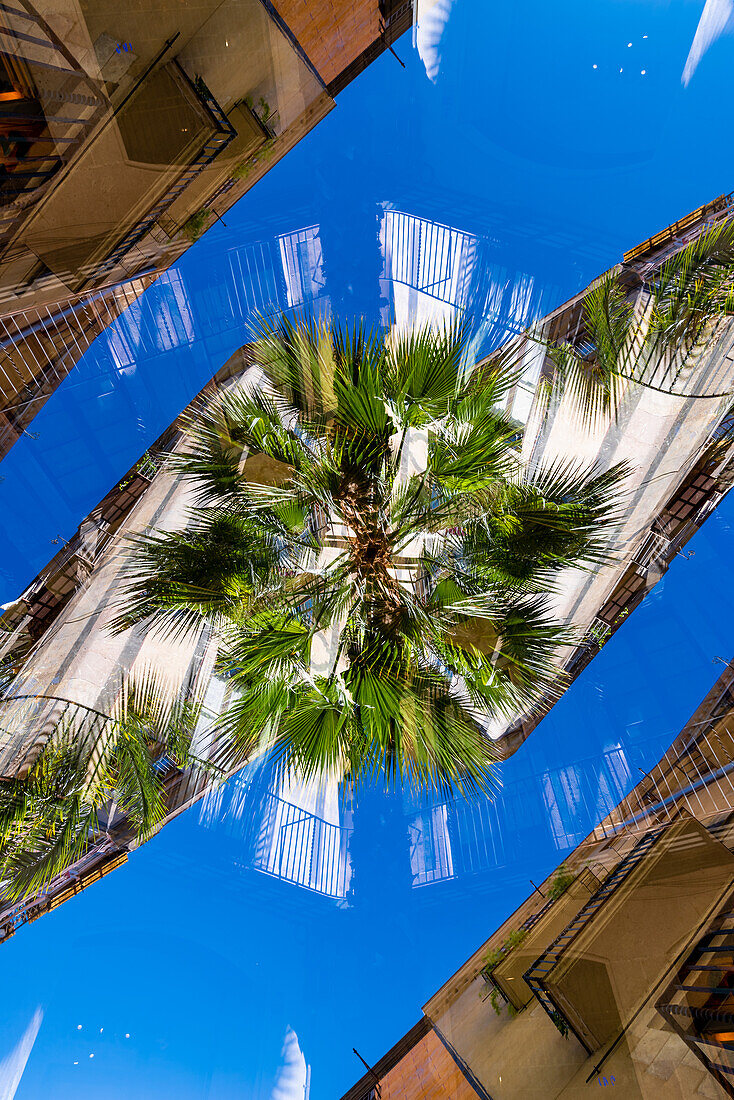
615	970
356	561
365	598
125	136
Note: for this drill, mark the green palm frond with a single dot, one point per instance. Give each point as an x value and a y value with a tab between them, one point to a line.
694	286
528	639
591	373
423	372
651	342
313	737
136	782
157	713
267	643
50	817
475	447
46	819
226	437
413	730
248	726
46	848
297	357
175	579
431	584
557	516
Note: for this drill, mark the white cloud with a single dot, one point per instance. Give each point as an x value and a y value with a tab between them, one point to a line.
429	20
292	1082
13	1066
716	18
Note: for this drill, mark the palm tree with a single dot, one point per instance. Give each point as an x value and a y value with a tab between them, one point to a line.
654	334
375	560
50	816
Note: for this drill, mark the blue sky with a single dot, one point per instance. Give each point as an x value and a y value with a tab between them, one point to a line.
205	962
558	167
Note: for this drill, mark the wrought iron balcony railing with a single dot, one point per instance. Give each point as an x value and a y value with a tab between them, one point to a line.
223	132
284	840
27	723
699	1003
696	775
506	975
537	976
38	349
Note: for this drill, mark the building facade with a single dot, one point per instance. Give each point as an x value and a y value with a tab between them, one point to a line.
127	132
56	648
617	972
674	434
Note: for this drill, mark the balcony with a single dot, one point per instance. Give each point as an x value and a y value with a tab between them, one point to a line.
538	931
164	134
608	960
27	722
699	1004
142	130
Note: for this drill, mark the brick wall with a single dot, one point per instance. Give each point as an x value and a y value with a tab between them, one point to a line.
332	32
427	1072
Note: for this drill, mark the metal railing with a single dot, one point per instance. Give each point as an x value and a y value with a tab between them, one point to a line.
701	370
223	133
300	847
702	768
28	722
458	269
537	976
524	927
699	1003
282	839
655	547
597	633
39	347
557	806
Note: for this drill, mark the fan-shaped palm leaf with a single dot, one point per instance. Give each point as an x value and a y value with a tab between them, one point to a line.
652	337
421	592
49	817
